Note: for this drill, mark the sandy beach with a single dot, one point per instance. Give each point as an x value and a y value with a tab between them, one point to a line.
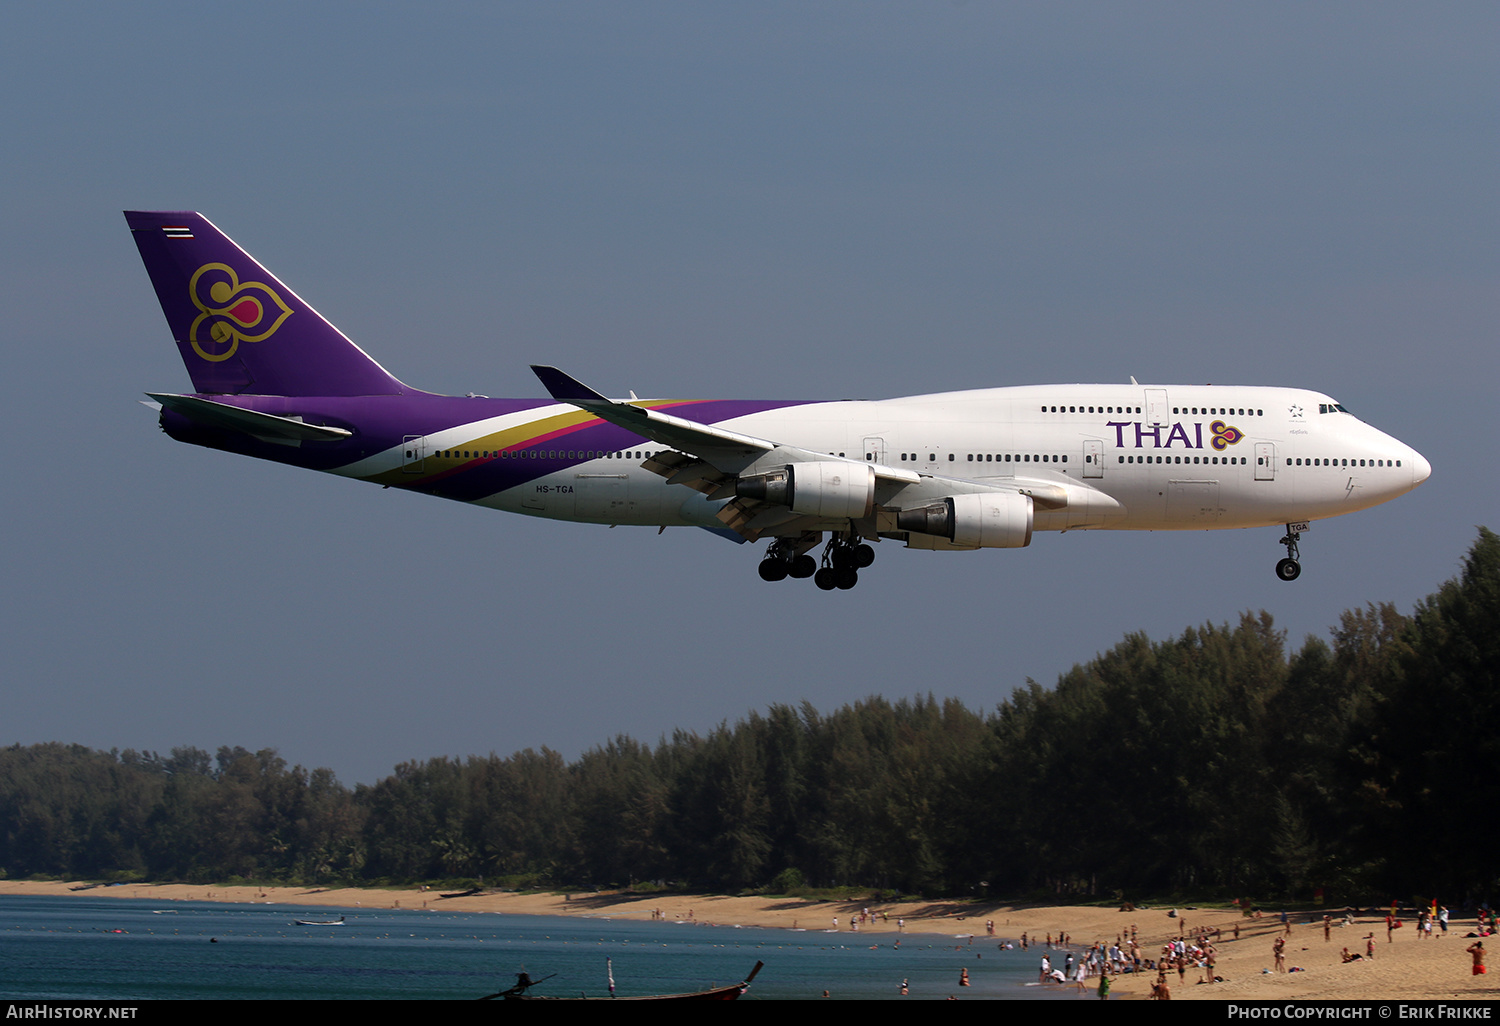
1404	967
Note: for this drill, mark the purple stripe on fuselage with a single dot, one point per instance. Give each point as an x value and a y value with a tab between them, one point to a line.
479	478
380	423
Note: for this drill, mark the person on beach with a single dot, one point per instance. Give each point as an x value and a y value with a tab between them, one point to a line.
1103	986
1477	950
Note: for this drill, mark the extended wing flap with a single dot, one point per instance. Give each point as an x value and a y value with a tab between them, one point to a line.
266	426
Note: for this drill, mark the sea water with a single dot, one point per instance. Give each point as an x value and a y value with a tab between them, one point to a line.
124	949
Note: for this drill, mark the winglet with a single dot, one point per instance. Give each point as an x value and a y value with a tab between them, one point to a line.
565	388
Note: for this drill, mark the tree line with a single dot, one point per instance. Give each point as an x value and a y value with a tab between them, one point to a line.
1214	762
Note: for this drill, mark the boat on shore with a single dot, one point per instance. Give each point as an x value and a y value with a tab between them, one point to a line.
524	983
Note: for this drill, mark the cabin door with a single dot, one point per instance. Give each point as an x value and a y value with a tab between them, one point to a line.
1156	407
1093	457
413	451
1265	461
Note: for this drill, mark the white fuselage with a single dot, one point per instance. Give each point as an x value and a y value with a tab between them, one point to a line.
1179	457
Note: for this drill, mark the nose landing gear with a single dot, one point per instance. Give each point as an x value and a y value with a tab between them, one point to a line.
1289	569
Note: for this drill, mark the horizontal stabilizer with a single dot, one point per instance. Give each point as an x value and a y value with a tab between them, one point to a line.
265	426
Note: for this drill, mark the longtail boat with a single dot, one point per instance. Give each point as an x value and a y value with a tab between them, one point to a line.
524	983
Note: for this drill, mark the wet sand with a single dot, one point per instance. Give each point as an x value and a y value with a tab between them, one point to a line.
1403	968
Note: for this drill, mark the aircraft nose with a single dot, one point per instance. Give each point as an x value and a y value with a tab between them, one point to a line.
1421	470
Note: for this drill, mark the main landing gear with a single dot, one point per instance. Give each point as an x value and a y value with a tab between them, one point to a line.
783	561
1289	569
842	561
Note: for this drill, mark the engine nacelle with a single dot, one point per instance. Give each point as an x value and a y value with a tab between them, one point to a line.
840	491
987	520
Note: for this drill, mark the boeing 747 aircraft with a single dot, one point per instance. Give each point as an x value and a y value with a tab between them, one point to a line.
954	471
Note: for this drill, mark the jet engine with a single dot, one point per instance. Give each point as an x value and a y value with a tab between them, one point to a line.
987	520
822	489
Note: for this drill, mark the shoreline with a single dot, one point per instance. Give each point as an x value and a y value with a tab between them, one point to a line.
1403	968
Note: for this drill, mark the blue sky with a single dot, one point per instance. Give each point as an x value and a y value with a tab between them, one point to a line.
807	200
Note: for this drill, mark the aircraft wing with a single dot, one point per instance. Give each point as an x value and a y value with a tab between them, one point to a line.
729	452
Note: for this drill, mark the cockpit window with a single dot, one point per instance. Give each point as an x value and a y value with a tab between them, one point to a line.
1331	408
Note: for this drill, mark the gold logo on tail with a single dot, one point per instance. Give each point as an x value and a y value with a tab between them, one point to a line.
232	311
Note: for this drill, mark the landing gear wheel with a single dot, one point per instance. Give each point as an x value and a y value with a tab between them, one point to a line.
773	569
826	578
846	578
864	555
803	566
1289	569
842	557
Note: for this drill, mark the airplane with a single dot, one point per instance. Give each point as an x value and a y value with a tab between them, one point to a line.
952	471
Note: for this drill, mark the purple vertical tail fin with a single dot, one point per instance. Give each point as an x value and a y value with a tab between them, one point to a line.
240	330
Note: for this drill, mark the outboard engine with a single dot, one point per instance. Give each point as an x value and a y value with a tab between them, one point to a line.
825	488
